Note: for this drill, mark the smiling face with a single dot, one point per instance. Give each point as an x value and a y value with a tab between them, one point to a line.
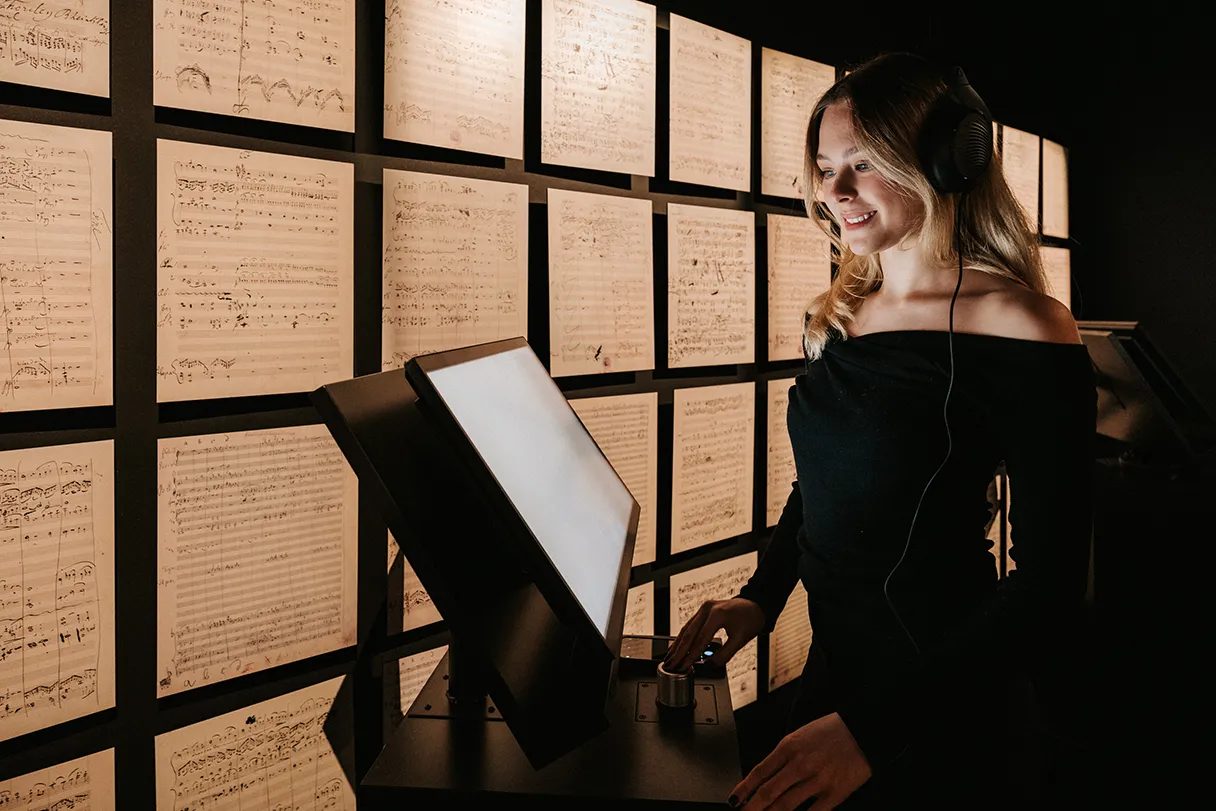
872	213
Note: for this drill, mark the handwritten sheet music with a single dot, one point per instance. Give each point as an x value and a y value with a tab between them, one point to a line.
639	610
285	753
256	553
780	453
790	640
57	44
403	681
1057	264
711	106
711	286
799	268
597	85
455	263
56	585
409	605
454	74
719	581
255	278
83	784
56	266
711	489
626	427
994	522
1055	190
601	284
1020	162
291	61
789	88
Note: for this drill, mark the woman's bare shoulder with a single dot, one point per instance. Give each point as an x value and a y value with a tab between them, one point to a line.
1014	311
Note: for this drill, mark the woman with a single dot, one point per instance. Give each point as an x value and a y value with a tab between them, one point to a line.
916	643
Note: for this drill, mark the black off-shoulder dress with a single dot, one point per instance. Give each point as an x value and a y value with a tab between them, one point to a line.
928	704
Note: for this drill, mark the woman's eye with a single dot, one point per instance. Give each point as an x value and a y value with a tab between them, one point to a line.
826	172
862	167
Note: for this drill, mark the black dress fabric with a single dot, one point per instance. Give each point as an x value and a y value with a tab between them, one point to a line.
924	671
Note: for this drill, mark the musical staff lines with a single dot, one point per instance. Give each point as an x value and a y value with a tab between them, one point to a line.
83	784
285	753
455	263
56	44
56	585
56	267
257	549
255	279
278	60
454	74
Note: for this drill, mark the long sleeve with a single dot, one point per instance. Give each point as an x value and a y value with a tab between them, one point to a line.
1045	417
773	581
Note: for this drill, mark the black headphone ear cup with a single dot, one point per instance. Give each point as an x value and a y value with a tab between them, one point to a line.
972	148
956	138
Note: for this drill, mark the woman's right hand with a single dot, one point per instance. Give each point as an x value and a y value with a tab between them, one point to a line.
742	619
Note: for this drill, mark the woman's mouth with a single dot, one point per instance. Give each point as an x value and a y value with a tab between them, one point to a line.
859	220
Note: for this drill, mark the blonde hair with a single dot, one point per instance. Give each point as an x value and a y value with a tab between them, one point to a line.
888	99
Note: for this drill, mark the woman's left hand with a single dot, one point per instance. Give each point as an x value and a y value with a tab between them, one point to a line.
819	760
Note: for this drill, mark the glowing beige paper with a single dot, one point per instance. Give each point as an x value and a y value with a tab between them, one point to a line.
56	226
454	74
799	268
56	585
781	472
639	610
626	427
256	553
83	784
790	640
56	44
789	88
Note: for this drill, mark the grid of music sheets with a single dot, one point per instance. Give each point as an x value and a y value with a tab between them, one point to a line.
292	751
56	585
712	464
719	581
256	553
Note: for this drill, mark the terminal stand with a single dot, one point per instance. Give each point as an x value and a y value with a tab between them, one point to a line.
461	754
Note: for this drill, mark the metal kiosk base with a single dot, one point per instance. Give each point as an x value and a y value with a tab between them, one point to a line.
644	760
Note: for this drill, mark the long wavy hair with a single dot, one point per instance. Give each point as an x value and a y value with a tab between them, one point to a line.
888	99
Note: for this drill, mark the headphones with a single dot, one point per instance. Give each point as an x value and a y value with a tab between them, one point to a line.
955	148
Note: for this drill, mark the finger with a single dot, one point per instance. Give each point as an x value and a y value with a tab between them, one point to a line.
799	793
700	638
729	649
771	795
760	774
684	641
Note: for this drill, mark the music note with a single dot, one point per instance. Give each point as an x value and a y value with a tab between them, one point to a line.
454	76
57	44
291	752
789	88
56	267
719	581
711	286
711	97
601	284
83	784
799	268
711	490
257	549
626	429
598	85
255	272
278	60
56	585
455	264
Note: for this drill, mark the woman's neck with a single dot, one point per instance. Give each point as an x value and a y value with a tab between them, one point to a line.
908	278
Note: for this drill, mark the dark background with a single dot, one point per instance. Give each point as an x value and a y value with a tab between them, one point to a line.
1123	92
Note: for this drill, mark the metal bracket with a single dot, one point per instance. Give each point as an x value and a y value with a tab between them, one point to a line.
705	704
